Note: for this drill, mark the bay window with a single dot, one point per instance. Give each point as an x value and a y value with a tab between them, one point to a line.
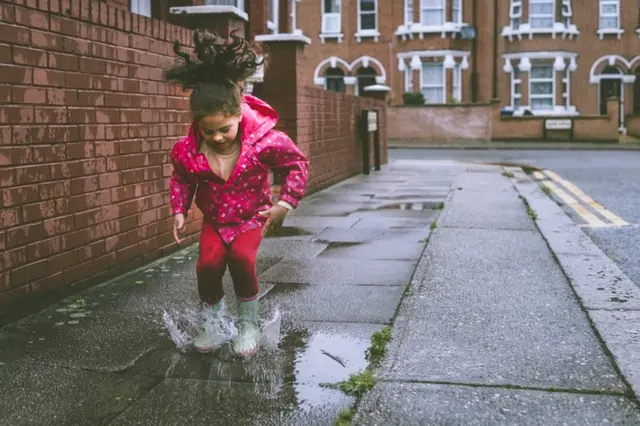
408	12
432	82
141	7
515	14
516	89
272	18
542	87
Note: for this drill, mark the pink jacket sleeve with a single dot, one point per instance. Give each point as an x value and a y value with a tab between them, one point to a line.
286	160
182	190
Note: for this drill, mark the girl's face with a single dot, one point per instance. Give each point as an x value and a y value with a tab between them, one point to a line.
219	131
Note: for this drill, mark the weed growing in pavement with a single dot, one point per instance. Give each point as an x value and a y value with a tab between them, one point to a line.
345	416
546	190
507	174
378	349
358	384
440	206
434	225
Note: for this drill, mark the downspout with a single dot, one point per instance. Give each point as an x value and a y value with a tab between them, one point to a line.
474	54
495	50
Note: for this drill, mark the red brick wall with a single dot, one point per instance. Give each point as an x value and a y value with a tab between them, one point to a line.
86	125
440	123
633	125
327	132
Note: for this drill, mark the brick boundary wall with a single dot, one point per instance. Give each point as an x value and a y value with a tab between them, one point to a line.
86	128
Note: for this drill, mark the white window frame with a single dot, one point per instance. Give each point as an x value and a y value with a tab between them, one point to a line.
424	9
457	83
533	81
516	82
443	100
234	3
272	24
567	12
375	33
408	11
546	16
408	79
515	14
140	7
326	16
456	9
609	30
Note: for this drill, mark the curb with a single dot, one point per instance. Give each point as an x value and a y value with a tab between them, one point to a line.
608	297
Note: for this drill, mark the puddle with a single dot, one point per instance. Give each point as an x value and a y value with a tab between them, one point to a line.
406	206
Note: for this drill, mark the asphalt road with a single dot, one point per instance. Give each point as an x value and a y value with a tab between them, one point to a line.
611	178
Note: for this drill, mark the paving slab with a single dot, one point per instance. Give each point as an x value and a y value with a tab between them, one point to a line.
336	303
473	208
387	249
318	223
36	394
501	312
334	271
620	331
204	402
274	248
417	404
599	282
362	235
328	209
396	222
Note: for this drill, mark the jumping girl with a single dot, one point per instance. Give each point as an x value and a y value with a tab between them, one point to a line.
224	161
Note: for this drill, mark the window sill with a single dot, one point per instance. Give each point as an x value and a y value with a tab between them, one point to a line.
610	31
325	36
559	28
408	31
375	34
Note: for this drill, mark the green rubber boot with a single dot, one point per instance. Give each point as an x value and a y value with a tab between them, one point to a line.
247	342
210	339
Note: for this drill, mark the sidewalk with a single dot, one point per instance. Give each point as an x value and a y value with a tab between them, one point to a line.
485	327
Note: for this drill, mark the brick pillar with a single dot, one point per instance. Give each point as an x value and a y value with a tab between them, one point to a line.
524	89
258	17
416	11
221	20
448	90
282	78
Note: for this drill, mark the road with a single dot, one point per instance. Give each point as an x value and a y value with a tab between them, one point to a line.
610	178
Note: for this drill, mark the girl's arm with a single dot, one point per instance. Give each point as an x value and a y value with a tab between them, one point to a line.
181	190
286	159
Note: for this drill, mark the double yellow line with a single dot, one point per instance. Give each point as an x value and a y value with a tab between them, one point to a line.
578	201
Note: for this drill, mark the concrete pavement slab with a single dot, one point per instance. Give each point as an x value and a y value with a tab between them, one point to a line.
599	282
336	303
414	404
361	235
620	332
334	271
36	394
387	249
319	223
203	402
498	311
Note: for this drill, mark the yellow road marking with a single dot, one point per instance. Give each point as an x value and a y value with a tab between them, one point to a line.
590	218
615	220
539	175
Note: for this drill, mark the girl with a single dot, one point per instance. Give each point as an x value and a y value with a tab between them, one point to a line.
224	160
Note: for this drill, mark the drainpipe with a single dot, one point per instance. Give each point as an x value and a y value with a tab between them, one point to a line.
474	54
495	50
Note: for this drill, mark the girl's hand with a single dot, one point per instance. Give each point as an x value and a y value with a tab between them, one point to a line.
276	216
178	226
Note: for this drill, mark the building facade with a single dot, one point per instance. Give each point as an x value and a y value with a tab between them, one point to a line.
540	57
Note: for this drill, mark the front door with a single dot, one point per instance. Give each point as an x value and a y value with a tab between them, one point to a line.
611	87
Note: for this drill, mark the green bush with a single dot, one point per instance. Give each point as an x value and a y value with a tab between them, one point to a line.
413	98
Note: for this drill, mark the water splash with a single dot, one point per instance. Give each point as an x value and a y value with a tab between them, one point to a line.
184	326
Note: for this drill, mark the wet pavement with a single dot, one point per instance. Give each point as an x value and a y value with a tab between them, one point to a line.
486	329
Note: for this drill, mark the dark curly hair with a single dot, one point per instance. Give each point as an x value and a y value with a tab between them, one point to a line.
217	77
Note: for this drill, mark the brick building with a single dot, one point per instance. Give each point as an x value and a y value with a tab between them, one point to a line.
552	57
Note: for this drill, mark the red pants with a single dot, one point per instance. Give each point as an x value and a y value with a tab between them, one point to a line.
214	257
